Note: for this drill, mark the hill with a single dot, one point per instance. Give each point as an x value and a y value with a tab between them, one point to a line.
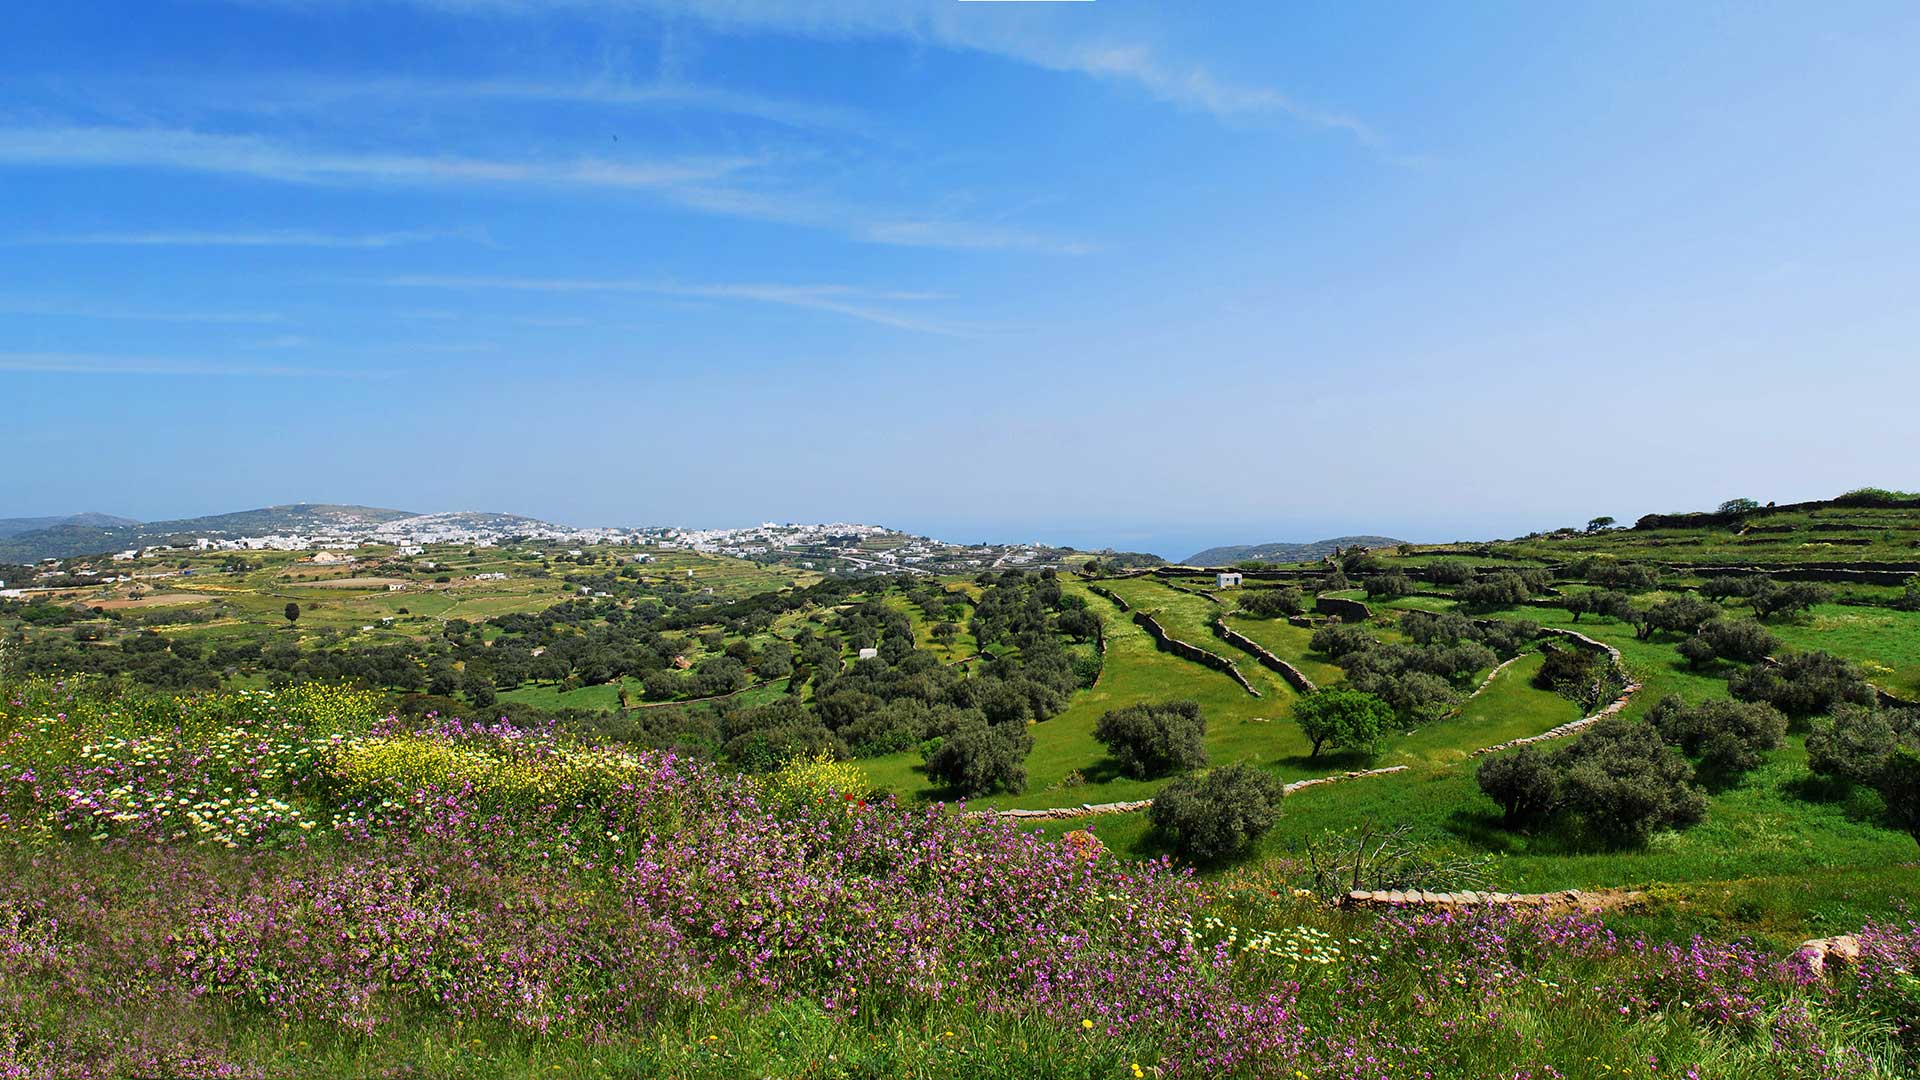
17	526
1282	552
91	534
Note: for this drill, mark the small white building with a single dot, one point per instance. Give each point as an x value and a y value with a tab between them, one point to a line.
397	586
1227	579
869	654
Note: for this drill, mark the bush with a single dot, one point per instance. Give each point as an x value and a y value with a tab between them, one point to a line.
1338	639
803	781
1770	598
981	759
1273	603
1725	586
1805	684
1564	669
1504	589
1631	576
1450	572
1728	639
1343	718
1677	615
1854	747
1206	819
1729	738
1900	789
1604	602
1626	783
1524	783
1390	585
1155	740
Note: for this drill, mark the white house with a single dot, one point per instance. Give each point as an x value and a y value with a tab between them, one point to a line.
397	586
868	654
1226	579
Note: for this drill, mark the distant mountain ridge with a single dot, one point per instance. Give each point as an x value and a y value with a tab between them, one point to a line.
17	526
1283	552
91	534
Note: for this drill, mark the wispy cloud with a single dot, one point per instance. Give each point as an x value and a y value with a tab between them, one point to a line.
844	300
100	311
608	92
248	155
306	238
95	364
1023	32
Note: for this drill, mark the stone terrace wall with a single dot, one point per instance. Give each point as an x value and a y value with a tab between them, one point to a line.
1346	610
1293	675
1056	813
1111	595
1188	651
1613	707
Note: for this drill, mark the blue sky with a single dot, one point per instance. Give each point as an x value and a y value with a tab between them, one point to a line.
1150	275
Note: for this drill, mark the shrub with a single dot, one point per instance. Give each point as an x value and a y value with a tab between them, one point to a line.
1853	747
1604	602
1343	718
1900	789
1273	603
1450	572
1504	589
1626	783
1391	584
1209	818
1564	669
1729	738
1728	639
981	759
1805	684
1524	783
1155	740
1338	639
1631	576
1724	586
1770	598
1677	615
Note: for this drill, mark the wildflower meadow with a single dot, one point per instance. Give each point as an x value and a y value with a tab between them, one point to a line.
299	883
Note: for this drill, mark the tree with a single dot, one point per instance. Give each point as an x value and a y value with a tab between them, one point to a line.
1450	572
1900	790
1739	506
1273	603
982	758
1626	782
1342	718
1524	783
1155	740
1209	818
1804	684
292	612
1391	584
1728	738
945	632
1854	747
1336	640
1677	615
1742	640
1603	602
1770	598
1599	523
1504	589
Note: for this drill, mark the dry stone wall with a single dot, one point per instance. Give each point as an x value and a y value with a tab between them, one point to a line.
1293	675
1061	813
1574	726
1342	608
1189	651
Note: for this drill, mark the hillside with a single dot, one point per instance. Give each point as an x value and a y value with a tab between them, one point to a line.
1282	552
17	526
89	534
